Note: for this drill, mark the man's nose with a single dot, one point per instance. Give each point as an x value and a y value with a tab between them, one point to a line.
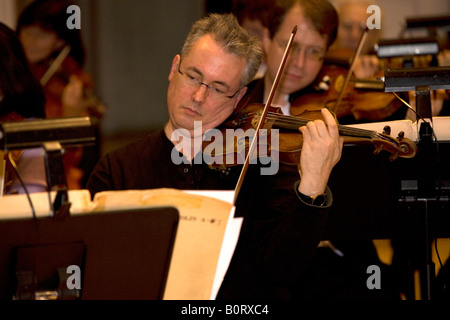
200	93
298	57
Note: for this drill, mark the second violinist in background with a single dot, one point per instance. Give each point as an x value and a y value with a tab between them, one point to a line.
56	56
354	97
299	91
306	57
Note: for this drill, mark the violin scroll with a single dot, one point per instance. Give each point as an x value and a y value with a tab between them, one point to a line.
399	147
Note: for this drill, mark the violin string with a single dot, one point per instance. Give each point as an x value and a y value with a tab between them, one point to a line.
289	122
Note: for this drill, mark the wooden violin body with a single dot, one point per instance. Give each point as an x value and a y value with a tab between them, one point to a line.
289	139
362	98
55	75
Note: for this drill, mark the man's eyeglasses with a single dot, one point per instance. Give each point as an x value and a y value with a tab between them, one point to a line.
194	81
312	53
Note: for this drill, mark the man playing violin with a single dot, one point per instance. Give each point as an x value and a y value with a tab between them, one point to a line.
280	230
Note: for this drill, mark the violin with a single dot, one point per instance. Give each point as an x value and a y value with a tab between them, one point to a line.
290	138
363	99
54	76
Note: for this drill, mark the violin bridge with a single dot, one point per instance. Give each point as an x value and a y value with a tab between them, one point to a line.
255	120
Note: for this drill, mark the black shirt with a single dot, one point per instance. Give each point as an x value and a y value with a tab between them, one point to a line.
280	232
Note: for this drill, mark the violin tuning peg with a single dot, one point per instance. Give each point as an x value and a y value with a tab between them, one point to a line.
324	86
378	150
400	136
393	157
387	130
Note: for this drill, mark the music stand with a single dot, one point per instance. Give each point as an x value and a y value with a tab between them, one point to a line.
423	80
121	255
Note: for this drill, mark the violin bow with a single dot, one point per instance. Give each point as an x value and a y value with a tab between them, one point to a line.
263	115
55	65
362	40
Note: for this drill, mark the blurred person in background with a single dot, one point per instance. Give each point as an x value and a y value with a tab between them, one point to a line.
252	15
57	57
21	98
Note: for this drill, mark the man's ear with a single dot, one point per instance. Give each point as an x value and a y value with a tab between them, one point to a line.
175	63
240	95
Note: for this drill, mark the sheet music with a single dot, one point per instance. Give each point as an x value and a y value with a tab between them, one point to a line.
229	241
205	241
206	237
229	244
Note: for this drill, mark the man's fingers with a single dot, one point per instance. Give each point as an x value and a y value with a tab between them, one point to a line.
331	123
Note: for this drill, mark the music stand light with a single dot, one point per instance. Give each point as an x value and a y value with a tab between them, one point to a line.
420	80
52	135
